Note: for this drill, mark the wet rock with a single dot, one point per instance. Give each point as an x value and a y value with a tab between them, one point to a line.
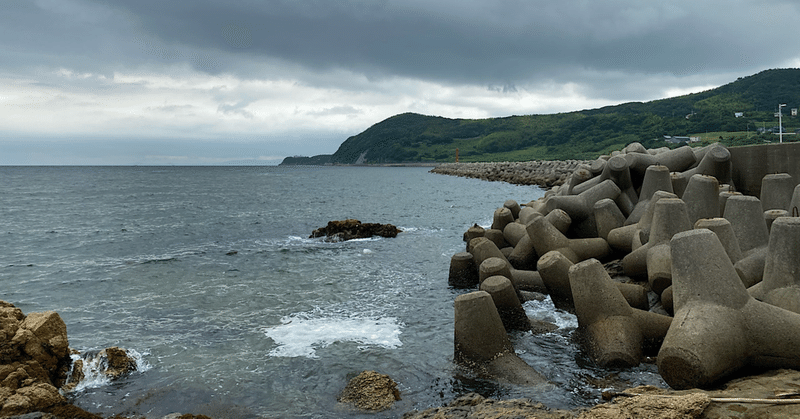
42	337
370	391
118	362
475	406
31	398
688	406
353	229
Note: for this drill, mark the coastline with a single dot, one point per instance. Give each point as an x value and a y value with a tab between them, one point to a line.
544	174
746	390
489	403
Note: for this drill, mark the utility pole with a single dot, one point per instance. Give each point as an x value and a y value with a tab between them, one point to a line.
780	122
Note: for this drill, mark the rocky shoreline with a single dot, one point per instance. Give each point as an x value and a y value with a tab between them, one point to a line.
760	396
38	369
547	246
545	174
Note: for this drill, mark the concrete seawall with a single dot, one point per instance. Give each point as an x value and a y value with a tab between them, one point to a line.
752	163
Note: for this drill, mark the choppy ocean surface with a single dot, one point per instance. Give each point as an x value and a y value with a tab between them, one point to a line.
206	274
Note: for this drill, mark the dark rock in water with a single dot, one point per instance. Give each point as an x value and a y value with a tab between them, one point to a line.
371	391
353	229
119	362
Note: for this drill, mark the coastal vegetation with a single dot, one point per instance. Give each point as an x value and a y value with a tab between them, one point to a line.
740	112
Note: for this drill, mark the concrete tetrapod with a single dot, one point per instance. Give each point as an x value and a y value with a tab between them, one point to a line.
702	197
507	303
578	176
462	271
493	266
513	233
607	217
781	284
747	219
748	223
614	333
557	217
750	267
718	327
771	215
676	160
794	205
617	170
656	178
524	255
722	228
723	199
496	236
531	210
474	232
653	259
776	191
502	216
546	237
480	342
513	206
716	162
580	208
483	249
554	270
622	238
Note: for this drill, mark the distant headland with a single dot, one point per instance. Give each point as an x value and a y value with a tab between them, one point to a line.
318	160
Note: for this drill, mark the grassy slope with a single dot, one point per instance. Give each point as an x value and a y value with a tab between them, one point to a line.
583	134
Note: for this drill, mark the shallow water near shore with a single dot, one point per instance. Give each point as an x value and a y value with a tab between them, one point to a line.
206	272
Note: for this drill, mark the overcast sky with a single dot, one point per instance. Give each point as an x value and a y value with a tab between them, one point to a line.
227	82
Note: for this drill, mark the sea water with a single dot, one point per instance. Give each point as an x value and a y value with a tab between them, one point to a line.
208	277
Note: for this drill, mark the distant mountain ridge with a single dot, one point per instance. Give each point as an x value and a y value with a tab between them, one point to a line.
745	104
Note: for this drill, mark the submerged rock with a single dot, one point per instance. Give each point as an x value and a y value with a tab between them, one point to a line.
370	391
353	229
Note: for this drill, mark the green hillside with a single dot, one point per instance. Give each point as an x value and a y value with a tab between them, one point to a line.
319	160
583	134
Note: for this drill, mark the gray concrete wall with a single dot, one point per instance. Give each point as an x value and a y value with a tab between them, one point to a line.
751	163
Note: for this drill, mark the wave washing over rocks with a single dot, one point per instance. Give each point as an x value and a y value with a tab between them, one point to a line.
653	250
38	369
661	260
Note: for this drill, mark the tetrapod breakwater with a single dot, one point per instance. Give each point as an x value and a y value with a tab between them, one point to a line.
657	254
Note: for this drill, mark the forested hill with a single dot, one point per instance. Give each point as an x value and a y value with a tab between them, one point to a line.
412	137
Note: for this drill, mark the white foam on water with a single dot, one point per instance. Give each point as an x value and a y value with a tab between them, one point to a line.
545	311
302	337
